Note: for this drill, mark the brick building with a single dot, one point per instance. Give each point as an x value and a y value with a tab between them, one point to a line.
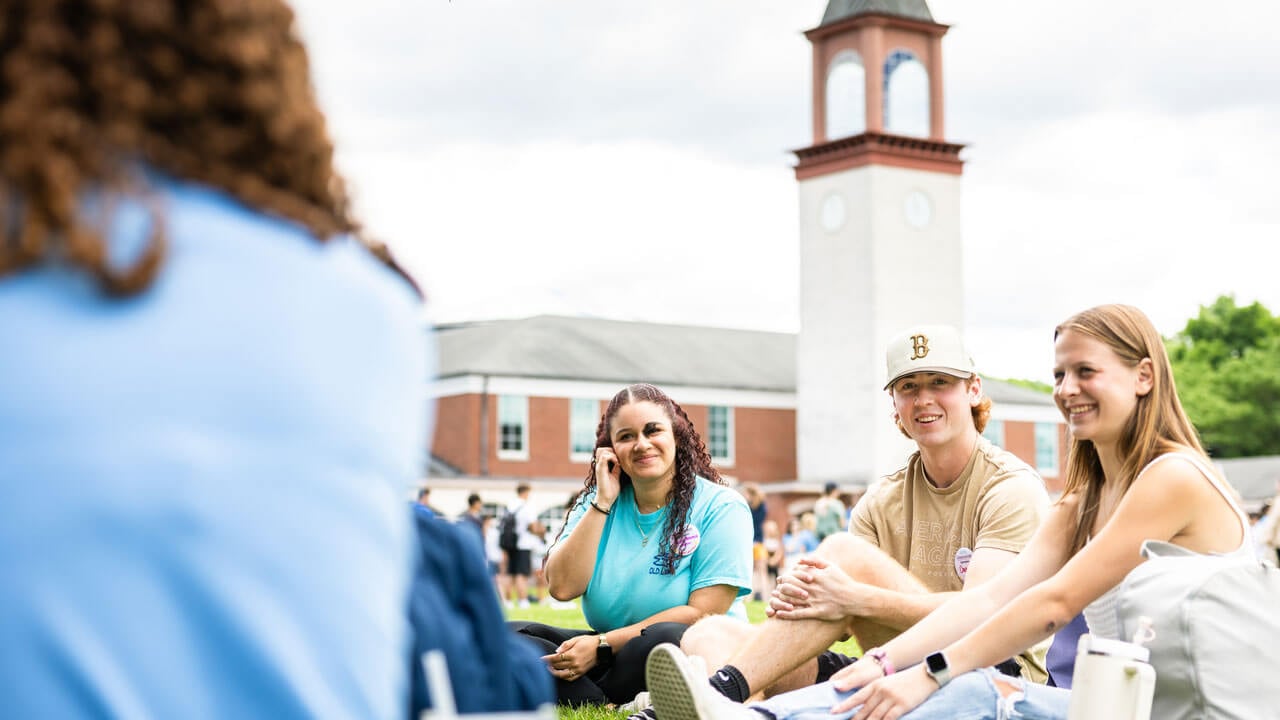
520	400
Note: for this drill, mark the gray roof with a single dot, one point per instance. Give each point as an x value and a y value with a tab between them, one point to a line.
838	10
1254	477
554	347
595	349
1001	391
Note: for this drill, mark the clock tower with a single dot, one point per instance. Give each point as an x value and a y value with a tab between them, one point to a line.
879	228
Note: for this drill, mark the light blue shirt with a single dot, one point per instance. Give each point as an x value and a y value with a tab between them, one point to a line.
202	488
629	583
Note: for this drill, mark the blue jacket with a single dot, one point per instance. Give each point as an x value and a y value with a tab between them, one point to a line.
453	608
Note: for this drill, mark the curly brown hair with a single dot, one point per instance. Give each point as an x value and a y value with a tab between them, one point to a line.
213	91
692	461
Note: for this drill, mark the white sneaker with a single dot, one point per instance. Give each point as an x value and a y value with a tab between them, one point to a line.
641	702
524	603
680	690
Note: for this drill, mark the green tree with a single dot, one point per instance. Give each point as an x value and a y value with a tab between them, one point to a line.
1036	385
1226	363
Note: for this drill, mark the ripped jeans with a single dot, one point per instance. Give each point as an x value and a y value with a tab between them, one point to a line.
971	696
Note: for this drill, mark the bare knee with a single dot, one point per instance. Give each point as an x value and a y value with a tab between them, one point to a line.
848	551
714	634
1007	686
837	545
867	563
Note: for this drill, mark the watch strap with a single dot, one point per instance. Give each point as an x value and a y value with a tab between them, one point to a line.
938	668
604	652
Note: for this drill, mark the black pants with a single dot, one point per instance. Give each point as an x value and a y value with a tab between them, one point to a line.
616	682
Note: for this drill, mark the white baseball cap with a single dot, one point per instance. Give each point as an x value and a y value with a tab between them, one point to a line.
927	348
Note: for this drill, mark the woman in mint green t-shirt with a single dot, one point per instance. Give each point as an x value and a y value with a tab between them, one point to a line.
654	542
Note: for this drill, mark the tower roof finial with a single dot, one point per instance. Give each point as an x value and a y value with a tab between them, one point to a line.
838	10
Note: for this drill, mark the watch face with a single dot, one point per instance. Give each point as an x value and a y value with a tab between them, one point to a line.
937	662
917	208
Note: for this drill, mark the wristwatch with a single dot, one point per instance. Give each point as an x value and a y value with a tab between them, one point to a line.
604	653
938	668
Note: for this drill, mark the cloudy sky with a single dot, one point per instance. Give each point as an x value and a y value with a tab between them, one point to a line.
630	160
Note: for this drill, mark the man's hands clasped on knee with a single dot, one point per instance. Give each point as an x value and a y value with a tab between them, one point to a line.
816	589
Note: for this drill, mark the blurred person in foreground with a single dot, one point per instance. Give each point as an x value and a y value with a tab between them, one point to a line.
209	385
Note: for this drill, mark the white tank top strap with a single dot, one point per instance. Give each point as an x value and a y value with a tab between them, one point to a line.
1217	482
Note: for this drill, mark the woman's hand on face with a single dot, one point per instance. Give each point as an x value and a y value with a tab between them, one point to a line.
889	698
608	476
573	658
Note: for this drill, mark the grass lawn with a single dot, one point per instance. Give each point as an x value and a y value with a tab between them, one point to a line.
573	619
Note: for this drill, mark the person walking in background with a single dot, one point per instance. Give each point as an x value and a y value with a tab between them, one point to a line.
797	542
830	512
210	388
423	504
653	543
473	517
759	556
494	555
775	555
528	532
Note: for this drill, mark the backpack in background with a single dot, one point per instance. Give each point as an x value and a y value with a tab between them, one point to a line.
1217	637
508	537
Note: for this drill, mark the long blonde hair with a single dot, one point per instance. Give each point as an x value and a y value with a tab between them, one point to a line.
1157	425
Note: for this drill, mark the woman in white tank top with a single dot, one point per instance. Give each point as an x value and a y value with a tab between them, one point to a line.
1136	471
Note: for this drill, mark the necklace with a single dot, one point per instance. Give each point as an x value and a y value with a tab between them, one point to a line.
644	536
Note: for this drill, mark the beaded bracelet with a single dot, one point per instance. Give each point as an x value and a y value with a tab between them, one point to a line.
881	658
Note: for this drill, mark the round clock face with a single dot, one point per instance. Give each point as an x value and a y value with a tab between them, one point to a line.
833	212
918	209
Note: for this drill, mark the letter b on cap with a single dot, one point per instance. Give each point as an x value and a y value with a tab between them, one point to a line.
919	347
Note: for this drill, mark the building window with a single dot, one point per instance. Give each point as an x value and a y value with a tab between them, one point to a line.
846	96
513	427
906	94
720	434
995	432
584	418
1047	449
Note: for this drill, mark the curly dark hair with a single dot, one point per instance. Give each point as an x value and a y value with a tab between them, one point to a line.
692	461
213	91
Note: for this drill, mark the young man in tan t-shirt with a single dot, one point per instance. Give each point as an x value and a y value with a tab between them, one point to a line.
958	512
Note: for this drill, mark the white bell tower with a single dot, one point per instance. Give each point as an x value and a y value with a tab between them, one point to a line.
879	228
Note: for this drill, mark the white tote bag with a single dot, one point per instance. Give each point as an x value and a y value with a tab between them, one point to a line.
1216	650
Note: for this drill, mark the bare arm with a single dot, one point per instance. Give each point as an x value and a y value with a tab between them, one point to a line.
572	561
1169	502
